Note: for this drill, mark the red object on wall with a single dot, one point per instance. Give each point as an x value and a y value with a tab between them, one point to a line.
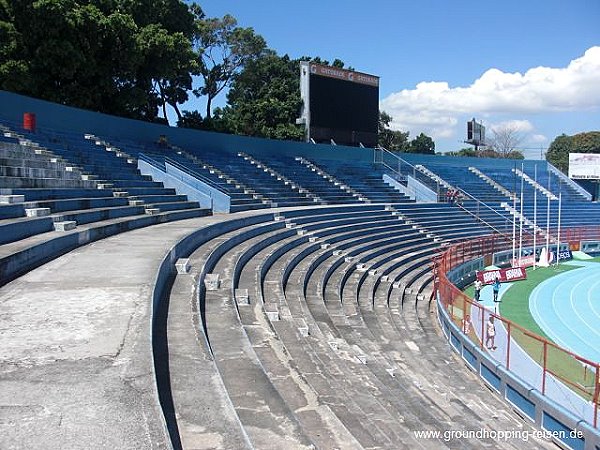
29	121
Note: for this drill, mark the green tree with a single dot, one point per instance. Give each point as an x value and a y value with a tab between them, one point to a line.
422	144
264	99
222	50
465	151
485	152
392	140
561	146
14	69
123	57
190	119
167	64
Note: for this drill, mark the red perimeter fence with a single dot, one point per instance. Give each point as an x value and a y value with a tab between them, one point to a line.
578	374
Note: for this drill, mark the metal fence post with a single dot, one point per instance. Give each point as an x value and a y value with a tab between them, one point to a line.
508	347
545	367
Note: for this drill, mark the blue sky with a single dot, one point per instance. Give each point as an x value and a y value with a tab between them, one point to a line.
432	55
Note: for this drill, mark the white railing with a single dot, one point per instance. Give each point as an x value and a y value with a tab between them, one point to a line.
570	182
535	184
491	182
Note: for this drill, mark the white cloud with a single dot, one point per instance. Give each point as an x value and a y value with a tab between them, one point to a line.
520	126
537	138
435	107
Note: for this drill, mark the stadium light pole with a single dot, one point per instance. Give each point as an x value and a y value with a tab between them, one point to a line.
521	214
548	221
534	215
514	233
514	230
558	231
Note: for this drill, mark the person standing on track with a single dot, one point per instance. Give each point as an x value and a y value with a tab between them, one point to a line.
466	324
490	331
477	285
496	289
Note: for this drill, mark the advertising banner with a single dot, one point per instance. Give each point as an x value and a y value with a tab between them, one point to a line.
584	166
504	275
524	261
565	255
343	74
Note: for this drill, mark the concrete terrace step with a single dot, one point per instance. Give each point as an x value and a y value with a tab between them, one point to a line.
143	191
265	345
237	364
171	206
42	163
247	207
158	198
12	230
33	194
11	182
99	214
19	257
11	211
72	204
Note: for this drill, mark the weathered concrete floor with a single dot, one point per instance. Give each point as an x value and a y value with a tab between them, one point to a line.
75	353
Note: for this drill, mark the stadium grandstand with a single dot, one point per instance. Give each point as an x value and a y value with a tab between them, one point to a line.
173	288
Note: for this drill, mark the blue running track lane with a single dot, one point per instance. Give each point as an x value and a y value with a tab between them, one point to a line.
521	364
567	308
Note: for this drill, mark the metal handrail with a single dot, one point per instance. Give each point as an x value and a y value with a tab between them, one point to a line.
197	175
402	161
184	169
484	222
150	161
568	181
490	208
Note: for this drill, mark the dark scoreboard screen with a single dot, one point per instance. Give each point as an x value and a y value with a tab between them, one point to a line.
344	106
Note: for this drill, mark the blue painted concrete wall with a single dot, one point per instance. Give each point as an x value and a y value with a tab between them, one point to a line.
63	118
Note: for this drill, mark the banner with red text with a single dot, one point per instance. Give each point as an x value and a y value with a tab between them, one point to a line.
504	275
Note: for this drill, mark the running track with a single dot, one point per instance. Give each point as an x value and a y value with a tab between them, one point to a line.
521	364
567	309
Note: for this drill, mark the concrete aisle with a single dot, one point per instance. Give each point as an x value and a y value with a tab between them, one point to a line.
75	353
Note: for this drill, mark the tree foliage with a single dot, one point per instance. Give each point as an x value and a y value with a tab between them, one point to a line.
190	119
392	140
222	50
397	141
465	151
264	100
561	146
123	57
422	144
485	152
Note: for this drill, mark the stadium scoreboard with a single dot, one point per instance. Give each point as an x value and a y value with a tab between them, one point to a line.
338	104
475	133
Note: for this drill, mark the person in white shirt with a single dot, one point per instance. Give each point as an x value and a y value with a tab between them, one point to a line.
478	285
490	334
466	324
